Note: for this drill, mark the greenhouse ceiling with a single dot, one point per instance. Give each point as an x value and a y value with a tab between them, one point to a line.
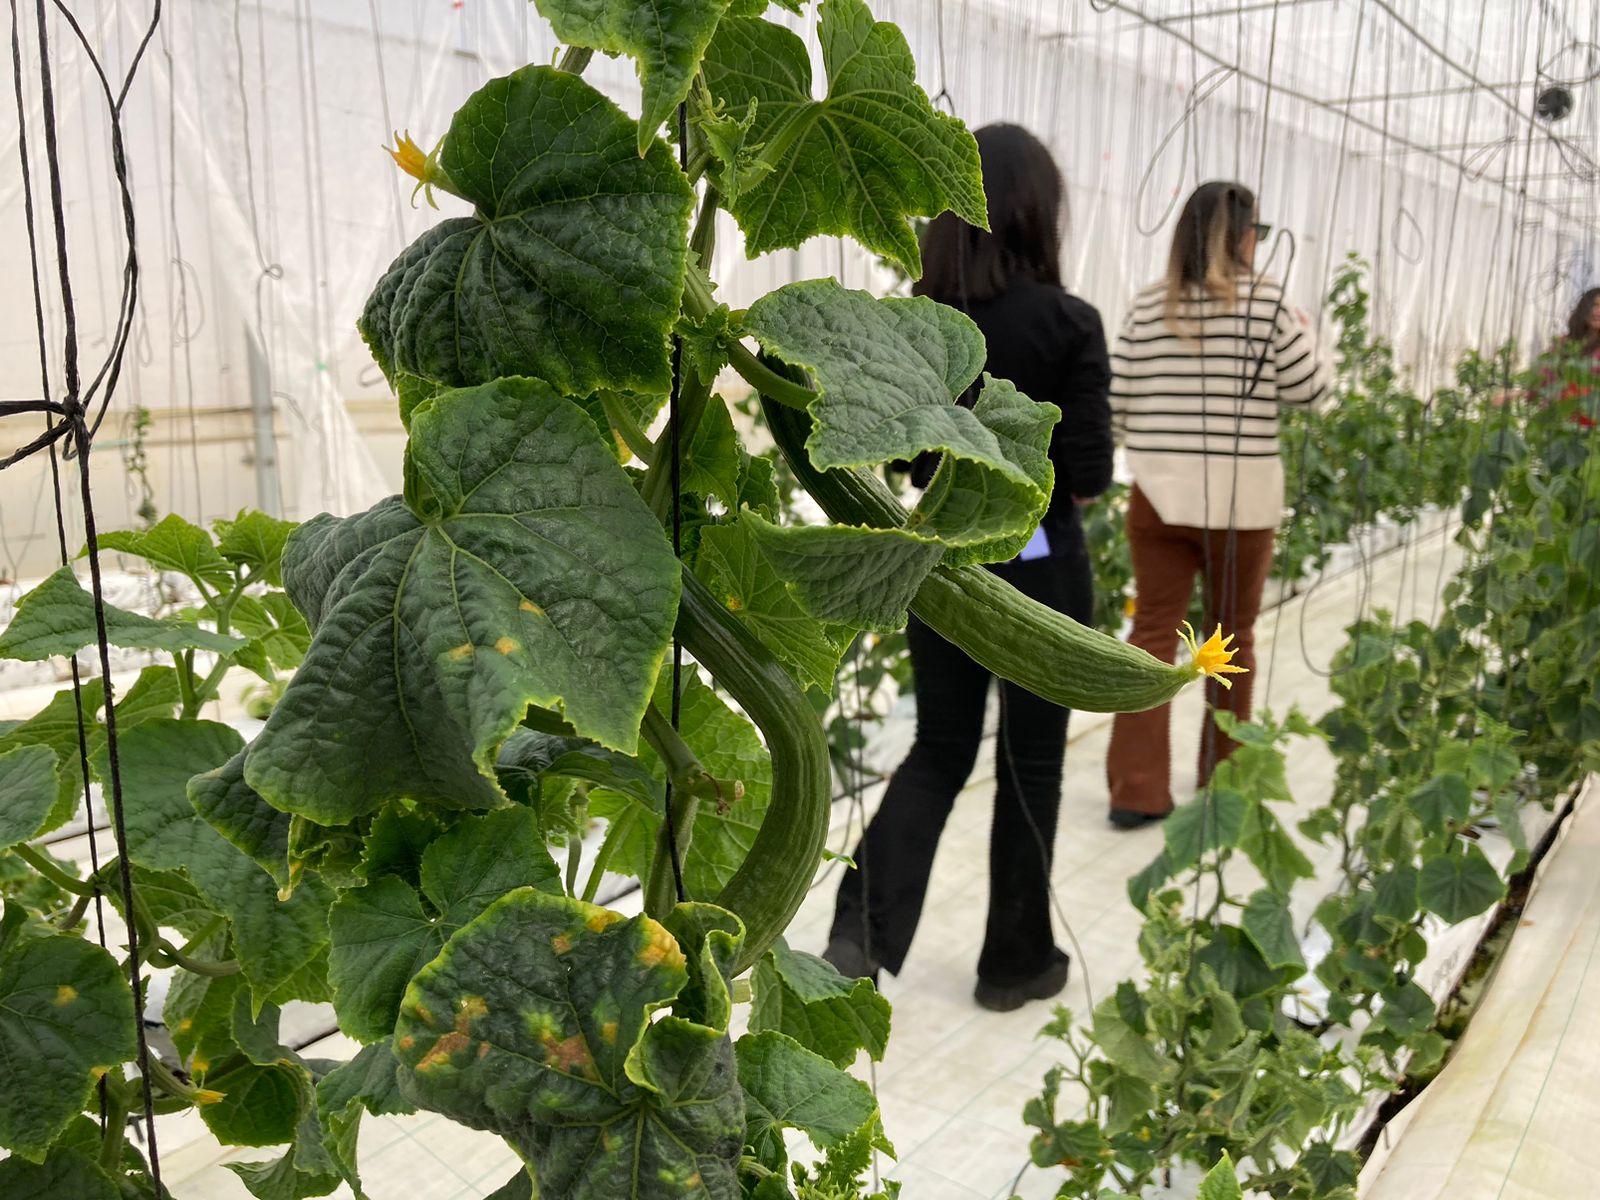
1461	82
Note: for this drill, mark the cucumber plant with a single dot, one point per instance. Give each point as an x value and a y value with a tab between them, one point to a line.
488	657
1439	730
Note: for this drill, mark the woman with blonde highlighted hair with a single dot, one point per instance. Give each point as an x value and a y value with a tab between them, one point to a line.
1205	359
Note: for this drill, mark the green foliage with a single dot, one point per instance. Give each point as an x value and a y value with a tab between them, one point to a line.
468	675
1438	731
861	161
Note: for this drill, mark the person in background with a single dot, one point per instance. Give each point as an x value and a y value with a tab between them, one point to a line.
1583	327
1052	346
1203	362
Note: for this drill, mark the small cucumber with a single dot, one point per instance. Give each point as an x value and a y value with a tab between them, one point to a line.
1014	636
769	885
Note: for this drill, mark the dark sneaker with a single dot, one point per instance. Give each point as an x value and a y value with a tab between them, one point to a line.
850	960
1004	998
1122	818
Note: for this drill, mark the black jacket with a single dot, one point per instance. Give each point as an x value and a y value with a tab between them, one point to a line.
1052	346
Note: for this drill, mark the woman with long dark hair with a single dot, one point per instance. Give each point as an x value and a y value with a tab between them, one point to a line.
1203	363
1052	346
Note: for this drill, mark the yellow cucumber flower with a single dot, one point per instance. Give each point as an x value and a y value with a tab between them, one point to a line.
424	168
1212	657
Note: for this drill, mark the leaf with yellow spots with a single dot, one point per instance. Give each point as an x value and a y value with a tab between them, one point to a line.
555	1050
733	566
65	1016
385	932
521	568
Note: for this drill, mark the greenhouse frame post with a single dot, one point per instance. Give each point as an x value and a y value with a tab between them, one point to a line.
269	497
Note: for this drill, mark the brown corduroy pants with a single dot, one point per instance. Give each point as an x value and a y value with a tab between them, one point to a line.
1233	569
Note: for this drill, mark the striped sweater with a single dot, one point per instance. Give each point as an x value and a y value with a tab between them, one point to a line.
1197	408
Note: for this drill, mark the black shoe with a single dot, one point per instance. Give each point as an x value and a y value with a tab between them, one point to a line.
850	960
1122	818
1006	997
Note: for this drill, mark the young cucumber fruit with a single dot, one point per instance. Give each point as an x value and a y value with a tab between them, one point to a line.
1014	636
768	887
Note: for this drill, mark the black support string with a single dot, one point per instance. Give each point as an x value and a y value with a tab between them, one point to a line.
73	426
676	464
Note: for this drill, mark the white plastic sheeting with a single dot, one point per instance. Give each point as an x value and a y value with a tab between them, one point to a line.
266	208
1502	1120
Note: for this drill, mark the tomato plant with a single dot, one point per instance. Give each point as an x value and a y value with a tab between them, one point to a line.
486	658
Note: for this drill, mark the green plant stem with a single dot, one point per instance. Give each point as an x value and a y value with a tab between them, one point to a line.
683	769
698	303
574	59
656	487
754	1167
574	860
46	866
195	698
118	1102
150	932
74	914
704	238
634	438
615	836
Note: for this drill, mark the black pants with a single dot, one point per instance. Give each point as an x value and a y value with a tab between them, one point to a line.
880	901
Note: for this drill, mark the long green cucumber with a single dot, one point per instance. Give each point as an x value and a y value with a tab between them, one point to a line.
1014	636
766	891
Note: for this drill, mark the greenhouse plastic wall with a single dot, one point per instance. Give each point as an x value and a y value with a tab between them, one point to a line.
256	130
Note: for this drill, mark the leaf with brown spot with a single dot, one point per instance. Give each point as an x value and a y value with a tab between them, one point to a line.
384	932
602	1100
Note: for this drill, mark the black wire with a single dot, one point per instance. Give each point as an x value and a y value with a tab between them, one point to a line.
73	423
673	439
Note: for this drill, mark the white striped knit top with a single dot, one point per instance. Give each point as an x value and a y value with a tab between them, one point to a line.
1196	408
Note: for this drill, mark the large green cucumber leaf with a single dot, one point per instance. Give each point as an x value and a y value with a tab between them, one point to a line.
66	1016
736	571
276	940
255	540
385	932
1215	821
522	569
667	37
236	810
173	544
860	162
802	996
711	460
887	374
786	1086
729	749
65	1174
848	574
1459	885
28	788
985	515
278	634
1267	922
534	1023
57	618
153	694
572	266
